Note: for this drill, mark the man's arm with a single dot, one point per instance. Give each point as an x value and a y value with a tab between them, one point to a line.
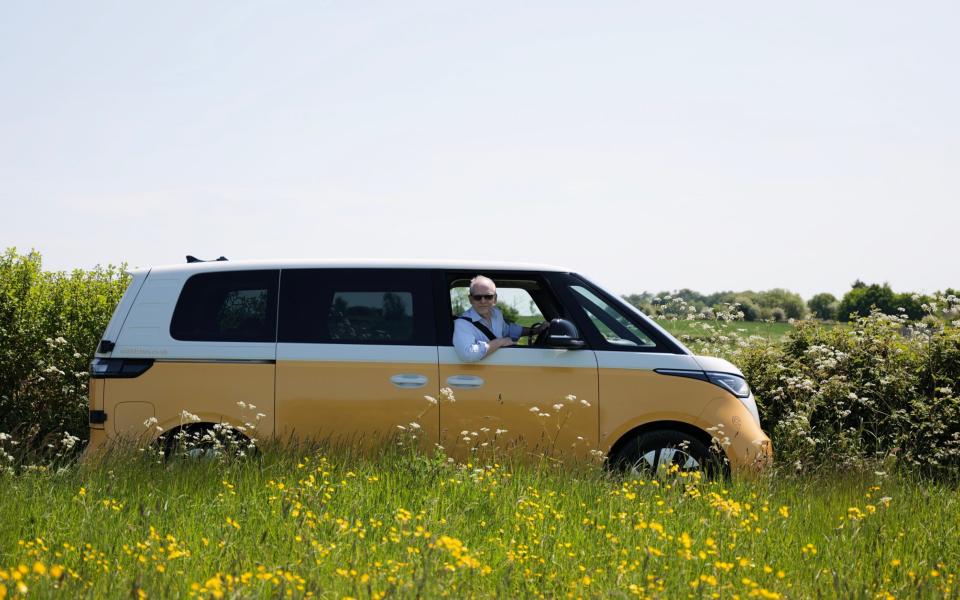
469	348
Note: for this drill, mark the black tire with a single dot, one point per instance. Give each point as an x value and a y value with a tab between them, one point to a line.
202	441
658	452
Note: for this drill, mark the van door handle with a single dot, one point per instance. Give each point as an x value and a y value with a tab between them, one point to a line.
464	381
409	380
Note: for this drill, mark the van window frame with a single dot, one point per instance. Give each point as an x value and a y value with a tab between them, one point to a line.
445	316
353	279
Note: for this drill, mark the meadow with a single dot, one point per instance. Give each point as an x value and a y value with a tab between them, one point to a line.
768	330
326	522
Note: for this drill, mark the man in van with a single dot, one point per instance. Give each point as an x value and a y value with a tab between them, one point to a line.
482	330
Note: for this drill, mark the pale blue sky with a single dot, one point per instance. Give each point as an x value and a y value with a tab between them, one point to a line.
649	145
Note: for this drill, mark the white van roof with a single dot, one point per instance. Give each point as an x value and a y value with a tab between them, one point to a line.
304	263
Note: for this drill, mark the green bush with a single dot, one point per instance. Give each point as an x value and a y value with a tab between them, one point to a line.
50	324
881	390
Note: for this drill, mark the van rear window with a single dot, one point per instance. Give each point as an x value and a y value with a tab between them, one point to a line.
236	306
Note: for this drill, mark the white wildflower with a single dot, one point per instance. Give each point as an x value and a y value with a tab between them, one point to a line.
188	416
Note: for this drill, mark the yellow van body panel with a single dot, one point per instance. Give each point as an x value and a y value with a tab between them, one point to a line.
633	398
354	402
210	390
506	401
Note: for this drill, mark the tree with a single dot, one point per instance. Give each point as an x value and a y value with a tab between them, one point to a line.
862	298
792	304
510	314
823	306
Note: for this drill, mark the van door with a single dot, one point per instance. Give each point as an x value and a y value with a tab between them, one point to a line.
356	355
543	400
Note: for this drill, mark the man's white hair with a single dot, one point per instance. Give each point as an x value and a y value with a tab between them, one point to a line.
481	279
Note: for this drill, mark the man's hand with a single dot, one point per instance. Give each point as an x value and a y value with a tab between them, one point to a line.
493	345
535	330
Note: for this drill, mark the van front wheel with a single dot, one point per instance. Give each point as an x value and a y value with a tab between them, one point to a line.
664	452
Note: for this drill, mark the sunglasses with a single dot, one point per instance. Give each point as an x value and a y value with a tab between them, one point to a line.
479	297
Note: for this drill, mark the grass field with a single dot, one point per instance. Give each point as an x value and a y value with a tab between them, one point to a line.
769	330
331	524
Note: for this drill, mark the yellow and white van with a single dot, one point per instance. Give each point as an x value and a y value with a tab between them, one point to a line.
354	350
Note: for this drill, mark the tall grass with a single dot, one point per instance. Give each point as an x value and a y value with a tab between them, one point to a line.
321	521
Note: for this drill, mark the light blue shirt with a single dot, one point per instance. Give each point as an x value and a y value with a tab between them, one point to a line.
471	343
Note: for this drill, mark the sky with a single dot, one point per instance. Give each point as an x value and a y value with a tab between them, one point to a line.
648	145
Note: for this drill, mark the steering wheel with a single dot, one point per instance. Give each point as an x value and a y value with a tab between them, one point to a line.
539	338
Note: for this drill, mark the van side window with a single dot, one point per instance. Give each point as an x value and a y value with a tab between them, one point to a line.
371	317
356	306
612	325
236	306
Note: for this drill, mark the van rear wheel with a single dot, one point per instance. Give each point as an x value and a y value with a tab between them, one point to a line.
205	441
664	452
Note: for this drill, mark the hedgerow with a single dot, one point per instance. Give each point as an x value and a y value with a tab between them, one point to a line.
50	323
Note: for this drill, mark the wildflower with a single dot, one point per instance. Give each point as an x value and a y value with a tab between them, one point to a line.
557	406
534	409
188	416
69	441
854	513
431	400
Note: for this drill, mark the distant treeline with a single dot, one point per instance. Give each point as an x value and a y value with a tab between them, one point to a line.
780	304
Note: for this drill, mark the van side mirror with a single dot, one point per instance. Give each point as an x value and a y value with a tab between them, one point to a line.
563	334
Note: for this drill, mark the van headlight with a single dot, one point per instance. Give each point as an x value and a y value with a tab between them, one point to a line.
734	384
